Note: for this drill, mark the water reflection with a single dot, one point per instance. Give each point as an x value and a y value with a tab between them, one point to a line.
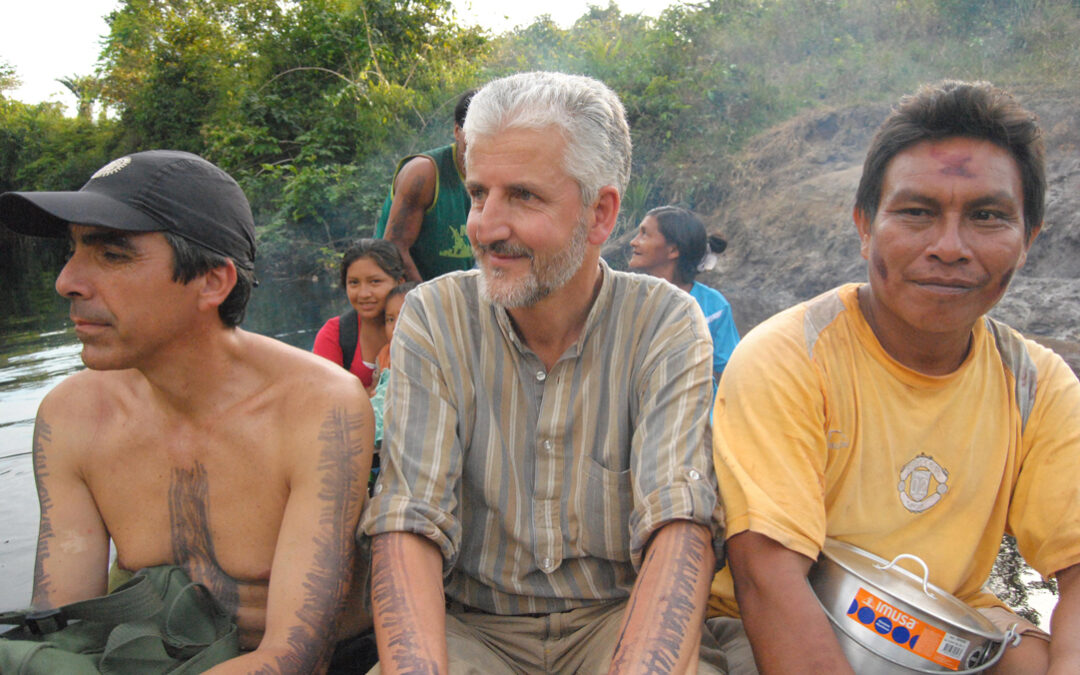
30	365
18	533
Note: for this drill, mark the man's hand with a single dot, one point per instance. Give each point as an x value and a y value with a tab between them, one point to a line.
661	629
414	193
410	610
776	602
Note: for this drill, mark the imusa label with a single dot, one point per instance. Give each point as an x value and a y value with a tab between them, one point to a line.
889	623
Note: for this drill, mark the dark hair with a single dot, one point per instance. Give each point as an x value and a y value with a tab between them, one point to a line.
384	254
191	260
401	289
948	109
462	107
686	232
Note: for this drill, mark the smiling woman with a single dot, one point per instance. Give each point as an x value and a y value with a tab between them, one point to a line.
672	244
369	269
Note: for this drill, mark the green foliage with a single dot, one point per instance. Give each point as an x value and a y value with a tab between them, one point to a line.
41	149
340	89
309	104
87	90
170	66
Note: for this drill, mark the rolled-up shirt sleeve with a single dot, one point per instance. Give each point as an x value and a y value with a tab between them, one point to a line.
671	461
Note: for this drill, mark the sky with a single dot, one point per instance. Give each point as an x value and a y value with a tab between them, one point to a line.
49	39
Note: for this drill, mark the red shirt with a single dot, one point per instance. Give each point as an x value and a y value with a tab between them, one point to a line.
328	346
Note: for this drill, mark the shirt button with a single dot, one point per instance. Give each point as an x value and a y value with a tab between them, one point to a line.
541	376
546	564
694	475
378	488
547	445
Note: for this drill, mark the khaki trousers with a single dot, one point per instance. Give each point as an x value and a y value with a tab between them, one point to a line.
577	641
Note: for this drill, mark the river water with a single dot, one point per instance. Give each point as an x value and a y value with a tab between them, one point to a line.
34	361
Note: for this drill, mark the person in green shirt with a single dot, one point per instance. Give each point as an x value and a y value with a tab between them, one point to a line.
424	214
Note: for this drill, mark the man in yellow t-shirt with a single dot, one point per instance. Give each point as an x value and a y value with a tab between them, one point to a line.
894	415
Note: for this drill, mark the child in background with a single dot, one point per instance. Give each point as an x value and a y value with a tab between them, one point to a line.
394	300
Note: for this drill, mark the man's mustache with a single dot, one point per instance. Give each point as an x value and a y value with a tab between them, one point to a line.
504	248
80	311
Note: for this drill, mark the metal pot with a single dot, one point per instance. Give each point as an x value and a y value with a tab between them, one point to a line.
889	620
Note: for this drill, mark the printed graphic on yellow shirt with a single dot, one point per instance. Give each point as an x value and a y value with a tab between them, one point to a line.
922	483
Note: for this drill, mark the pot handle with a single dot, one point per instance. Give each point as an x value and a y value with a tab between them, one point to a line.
925	569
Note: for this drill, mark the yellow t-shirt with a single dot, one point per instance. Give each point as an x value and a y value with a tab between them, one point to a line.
819	432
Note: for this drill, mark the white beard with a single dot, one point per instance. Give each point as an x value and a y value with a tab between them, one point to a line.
546	273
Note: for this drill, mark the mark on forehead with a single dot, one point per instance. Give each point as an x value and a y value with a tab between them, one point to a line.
955	162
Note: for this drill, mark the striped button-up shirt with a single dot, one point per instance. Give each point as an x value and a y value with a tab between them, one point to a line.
542	487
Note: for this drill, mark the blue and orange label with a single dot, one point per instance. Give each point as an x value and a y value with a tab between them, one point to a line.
919	638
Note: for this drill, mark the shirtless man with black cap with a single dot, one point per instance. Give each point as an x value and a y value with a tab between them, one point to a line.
190	441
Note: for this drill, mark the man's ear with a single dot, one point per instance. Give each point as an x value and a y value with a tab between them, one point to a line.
605	212
216	285
862	224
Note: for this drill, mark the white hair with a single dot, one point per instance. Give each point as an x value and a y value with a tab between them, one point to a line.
589	115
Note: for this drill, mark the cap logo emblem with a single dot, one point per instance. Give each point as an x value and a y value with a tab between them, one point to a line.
112	167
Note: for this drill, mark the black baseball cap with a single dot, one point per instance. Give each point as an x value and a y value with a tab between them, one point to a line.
152	191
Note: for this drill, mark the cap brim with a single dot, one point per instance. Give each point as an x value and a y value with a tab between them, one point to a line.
47	214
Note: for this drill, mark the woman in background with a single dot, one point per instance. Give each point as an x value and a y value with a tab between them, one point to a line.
672	244
369	269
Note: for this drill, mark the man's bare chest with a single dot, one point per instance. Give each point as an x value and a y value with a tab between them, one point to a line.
212	504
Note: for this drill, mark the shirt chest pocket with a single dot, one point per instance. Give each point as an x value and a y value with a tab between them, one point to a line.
606	498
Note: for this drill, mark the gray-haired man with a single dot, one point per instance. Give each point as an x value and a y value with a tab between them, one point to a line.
547	474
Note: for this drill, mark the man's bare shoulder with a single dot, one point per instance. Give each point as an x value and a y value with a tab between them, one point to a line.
418	166
295	392
415	180
93	398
